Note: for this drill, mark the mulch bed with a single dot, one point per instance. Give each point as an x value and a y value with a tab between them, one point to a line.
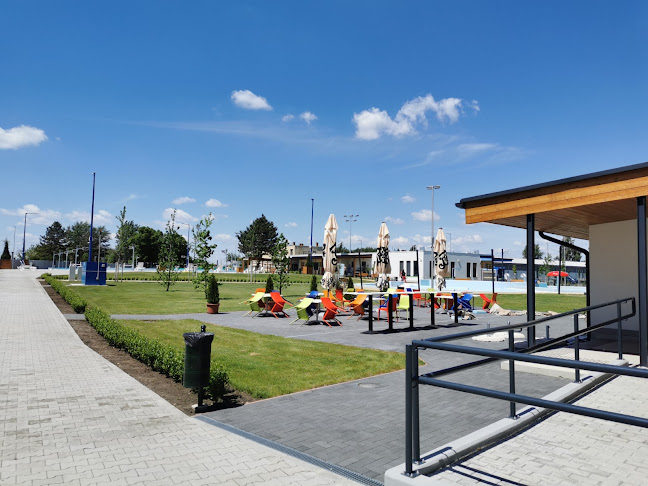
174	393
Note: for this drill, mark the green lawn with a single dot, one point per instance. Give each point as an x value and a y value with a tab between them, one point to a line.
151	297
267	366
544	302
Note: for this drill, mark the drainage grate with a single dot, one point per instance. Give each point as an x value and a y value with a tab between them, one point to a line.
346	473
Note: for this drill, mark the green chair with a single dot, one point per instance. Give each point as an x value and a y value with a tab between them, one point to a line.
303	310
256	304
403	304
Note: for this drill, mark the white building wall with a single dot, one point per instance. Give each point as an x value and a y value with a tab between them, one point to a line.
613	267
460	260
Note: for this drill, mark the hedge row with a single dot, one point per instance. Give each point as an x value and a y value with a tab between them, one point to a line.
160	357
77	303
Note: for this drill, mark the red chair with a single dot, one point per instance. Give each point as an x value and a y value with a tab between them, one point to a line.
340	300
487	301
383	306
331	311
278	303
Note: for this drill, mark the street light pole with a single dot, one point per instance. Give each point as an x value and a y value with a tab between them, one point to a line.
24	236
310	254
432	188
350	220
13	251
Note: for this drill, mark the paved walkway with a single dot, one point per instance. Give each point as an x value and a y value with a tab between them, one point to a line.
67	416
569	449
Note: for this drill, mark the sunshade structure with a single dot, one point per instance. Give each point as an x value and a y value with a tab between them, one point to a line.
441	269
607	208
556	273
329	253
382	257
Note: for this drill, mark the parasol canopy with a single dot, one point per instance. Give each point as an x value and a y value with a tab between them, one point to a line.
554	273
382	257
441	269
329	252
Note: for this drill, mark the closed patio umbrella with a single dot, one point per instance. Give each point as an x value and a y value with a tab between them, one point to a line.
329	253
382	257
440	260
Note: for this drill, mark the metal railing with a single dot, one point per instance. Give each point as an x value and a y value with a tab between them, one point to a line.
413	379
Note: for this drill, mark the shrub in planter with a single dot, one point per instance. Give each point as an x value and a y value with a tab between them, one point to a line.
269	284
212	294
313	285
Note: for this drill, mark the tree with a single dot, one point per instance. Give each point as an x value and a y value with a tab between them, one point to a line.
537	253
341	248
569	254
53	241
148	242
545	268
258	239
126	231
78	236
170	257
5	253
269	285
313	285
281	262
203	249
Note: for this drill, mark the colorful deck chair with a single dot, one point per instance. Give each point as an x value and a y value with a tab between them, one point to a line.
383	305
357	306
278	303
403	305
256	303
304	310
331	311
487	301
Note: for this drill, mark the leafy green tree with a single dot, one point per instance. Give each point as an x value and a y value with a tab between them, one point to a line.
78	236
546	265
53	241
569	254
126	231
341	248
148	242
5	253
170	256
537	252
281	262
203	249
258	239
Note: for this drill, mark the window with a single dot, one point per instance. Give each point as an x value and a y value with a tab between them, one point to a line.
468	270
452	269
408	269
475	270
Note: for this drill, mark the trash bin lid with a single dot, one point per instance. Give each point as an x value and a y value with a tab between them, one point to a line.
195	339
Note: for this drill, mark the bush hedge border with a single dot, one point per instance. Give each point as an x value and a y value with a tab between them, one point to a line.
159	357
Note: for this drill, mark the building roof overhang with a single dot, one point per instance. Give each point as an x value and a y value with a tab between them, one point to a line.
566	206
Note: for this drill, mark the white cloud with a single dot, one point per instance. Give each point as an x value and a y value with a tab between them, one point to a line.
214	203
373	123
130	197
288	117
425	215
42	216
101	217
389	219
21	136
308	117
292	224
399	241
246	99
407	199
223	237
519	243
468	239
474	148
421	239
474	104
183	200
181	216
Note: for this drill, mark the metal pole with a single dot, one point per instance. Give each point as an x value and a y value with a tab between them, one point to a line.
408	410
418	271
310	254
432	269
559	267
512	412
24	236
493	269
576	348
530	237
643	281
13	251
91	217
416	440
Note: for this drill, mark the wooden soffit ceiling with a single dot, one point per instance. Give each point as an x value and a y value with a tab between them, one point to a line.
566	207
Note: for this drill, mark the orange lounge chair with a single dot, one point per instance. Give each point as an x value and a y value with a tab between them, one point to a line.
487	301
278	303
357	307
331	311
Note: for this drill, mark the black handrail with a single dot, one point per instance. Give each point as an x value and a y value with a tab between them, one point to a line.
412	442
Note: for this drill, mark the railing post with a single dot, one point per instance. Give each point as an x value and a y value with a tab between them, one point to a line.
408	410
512	413
416	441
576	348
547	333
619	332
370	313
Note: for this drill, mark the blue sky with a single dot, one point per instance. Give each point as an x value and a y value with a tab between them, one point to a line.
243	108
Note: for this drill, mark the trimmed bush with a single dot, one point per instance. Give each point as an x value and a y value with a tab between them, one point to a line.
313	283
78	304
212	294
350	284
269	284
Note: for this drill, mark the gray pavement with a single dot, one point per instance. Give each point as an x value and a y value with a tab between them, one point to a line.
70	417
359	425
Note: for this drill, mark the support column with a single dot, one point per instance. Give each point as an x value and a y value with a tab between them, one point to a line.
530	237
642	303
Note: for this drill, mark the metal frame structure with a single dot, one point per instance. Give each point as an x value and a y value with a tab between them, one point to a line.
413	379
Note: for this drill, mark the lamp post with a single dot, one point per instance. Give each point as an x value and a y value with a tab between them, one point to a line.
310	254
132	247
432	188
188	228
24	236
14	248
224	259
350	220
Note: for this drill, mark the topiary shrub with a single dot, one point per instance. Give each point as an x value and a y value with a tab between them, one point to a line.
313	285
350	284
212	294
269	284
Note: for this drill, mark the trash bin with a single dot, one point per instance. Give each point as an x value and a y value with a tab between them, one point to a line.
197	359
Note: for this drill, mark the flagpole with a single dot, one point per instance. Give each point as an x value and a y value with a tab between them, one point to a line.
92	218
